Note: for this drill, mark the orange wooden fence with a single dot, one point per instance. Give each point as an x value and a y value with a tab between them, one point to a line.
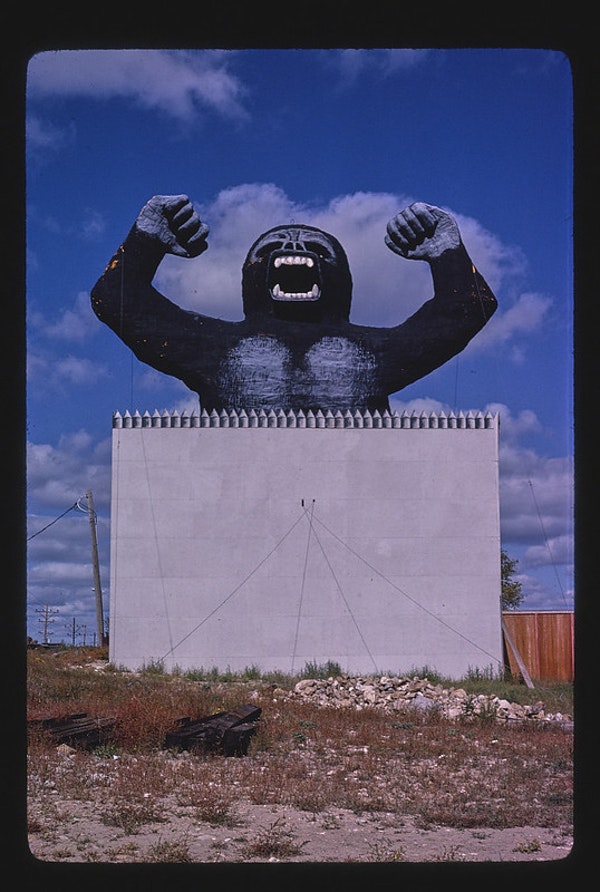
545	641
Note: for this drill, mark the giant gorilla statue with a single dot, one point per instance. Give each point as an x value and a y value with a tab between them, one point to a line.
295	348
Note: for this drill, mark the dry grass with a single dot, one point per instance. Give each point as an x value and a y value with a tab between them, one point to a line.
462	774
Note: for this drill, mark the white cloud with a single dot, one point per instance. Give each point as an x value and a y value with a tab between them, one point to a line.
351	64
58	475
179	84
536	506
74	324
59	572
387	288
558	548
526	315
48	374
50	369
513	426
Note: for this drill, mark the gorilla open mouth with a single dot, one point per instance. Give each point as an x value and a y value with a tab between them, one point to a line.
294	276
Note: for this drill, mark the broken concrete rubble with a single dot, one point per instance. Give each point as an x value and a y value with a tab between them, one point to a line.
401	693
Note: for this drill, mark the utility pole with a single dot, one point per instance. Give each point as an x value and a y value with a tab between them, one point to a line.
47	618
73	628
96	566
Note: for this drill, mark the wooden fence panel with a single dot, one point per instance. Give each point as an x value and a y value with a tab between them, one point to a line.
545	641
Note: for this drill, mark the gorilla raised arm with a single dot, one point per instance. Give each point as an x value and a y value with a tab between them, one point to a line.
295	348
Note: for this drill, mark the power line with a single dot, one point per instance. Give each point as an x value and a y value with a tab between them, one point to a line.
33	535
539	514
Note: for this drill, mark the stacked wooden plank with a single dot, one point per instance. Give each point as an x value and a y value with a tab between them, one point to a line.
74	729
225	732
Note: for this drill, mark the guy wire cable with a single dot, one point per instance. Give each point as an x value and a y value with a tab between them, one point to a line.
310	529
405	594
236	589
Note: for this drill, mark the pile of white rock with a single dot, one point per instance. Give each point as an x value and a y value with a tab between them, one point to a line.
393	693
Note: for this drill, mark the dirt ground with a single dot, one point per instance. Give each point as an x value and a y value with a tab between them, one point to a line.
276	833
70	831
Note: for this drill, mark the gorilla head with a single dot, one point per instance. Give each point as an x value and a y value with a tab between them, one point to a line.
297	273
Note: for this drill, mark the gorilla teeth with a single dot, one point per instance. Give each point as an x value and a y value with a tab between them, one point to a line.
293	259
278	294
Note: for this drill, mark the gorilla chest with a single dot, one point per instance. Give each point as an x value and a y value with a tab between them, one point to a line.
265	372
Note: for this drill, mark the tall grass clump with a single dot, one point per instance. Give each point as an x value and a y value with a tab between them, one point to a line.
312	669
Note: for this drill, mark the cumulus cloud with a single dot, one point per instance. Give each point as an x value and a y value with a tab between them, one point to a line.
179	84
536	491
49	374
535	494
49	369
75	323
58	475
59	567
524	316
387	288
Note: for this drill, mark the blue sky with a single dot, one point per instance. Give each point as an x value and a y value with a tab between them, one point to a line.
342	139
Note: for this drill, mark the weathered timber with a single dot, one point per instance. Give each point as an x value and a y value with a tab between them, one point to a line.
75	728
226	732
